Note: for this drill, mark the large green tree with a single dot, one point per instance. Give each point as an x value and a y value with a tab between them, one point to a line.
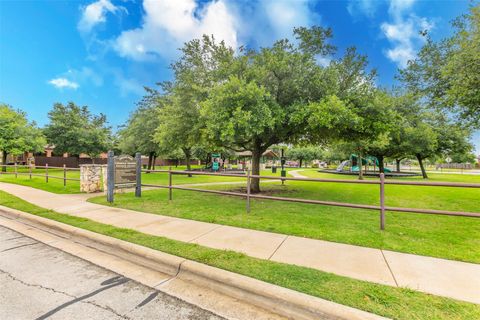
17	135
431	135
304	153
446	73
267	95
358	114
202	65
394	109
362	122
462	67
75	130
137	135
178	126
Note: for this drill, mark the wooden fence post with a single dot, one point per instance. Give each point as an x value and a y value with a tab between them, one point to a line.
46	172
169	183
16	170
248	190
64	175
110	176
30	170
382	201
138	171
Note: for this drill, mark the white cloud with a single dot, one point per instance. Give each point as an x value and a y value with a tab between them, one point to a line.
403	32
260	23
398	7
85	75
95	13
63	83
367	8
284	15
126	85
167	24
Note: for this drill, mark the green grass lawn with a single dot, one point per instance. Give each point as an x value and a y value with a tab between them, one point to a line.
162	178
54	185
456	238
396	303
314	173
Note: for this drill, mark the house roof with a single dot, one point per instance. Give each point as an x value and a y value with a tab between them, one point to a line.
269	154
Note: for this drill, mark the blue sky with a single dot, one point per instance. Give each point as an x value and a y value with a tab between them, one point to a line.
101	53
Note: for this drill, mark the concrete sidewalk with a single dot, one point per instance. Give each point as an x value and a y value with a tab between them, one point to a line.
458	280
297	174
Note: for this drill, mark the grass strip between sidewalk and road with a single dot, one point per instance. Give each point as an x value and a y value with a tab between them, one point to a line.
396	303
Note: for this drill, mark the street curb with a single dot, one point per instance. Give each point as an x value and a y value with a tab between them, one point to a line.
285	302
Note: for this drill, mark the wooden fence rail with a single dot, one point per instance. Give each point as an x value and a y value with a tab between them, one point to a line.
382	208
47	175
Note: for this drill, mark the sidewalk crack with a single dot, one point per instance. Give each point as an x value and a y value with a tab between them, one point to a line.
203	234
278	247
389	268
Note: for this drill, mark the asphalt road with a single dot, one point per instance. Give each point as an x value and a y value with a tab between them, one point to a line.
41	282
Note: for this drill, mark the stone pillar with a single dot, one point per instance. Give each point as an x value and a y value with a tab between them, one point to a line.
104	178
90	178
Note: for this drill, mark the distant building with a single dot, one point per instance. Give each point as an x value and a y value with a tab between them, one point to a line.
48	156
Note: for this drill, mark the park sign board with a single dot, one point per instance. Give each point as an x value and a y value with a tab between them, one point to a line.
125	171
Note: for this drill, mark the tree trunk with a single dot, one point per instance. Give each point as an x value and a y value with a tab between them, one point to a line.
381	164
4	161
188	155
154	159
150	160
420	162
207	160
300	163
360	169
398	164
255	182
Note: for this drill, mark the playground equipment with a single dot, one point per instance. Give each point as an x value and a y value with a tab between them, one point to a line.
342	165
353	164
216	161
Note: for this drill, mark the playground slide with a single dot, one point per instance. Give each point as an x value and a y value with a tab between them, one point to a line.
369	160
355	169
343	164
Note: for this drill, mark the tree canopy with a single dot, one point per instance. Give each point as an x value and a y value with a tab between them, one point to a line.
304	153
446	73
73	129
17	135
280	94
241	99
137	135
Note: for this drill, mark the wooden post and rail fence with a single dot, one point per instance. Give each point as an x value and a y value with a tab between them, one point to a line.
382	208
28	170
126	172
